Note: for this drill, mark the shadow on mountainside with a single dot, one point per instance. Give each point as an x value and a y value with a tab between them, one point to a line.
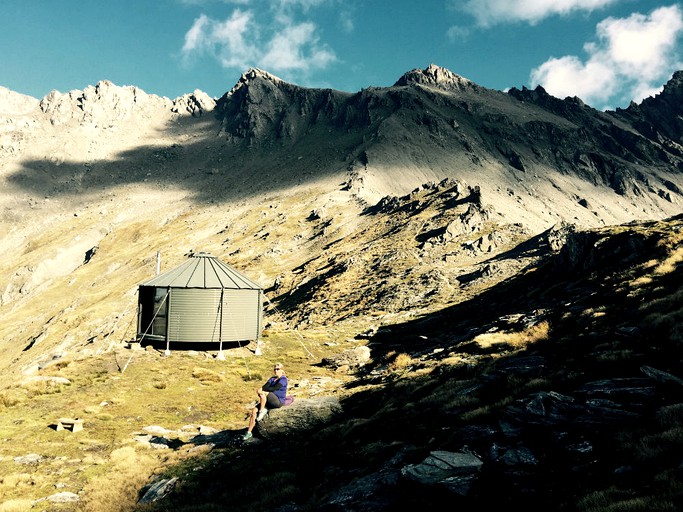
209	167
582	416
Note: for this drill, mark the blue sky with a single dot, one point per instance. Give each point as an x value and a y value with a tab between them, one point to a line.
607	52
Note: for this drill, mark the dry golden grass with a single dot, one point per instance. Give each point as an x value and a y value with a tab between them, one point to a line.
481	413
670	263
17	480
25	391
206	376
515	340
16	505
400	362
450	393
11	397
118	489
42	388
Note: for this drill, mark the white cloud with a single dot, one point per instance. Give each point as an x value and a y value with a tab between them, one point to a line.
271	39
346	21
568	76
304	4
295	47
639	44
457	32
491	12
195	38
632	58
225	40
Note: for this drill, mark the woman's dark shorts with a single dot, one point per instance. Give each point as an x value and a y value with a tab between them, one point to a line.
272	401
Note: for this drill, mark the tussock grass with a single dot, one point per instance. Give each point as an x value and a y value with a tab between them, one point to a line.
401	362
670	264
16	505
615	355
484	411
206	376
640	282
12	397
118	489
252	377
44	387
664	317
452	394
515	340
25	391
15	480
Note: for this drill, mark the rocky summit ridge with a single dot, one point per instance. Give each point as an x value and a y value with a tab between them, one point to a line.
434	75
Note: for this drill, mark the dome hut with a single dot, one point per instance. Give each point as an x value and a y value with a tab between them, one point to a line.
202	300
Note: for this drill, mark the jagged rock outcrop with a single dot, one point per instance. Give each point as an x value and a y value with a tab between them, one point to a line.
101	105
196	104
659	117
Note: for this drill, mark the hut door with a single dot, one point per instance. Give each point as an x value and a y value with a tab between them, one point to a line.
160	312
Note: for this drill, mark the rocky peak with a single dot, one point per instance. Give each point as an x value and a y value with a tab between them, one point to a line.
262	108
251	76
675	84
435	76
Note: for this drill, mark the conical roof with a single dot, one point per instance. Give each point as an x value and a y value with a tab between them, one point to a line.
202	270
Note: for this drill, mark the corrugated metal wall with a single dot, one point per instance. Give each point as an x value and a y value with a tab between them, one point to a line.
241	315
193	315
197	315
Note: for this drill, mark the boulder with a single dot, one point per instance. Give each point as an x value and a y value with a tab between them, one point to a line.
158	490
64	497
351	358
302	414
455	471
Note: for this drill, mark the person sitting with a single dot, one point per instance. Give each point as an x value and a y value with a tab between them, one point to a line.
270	396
